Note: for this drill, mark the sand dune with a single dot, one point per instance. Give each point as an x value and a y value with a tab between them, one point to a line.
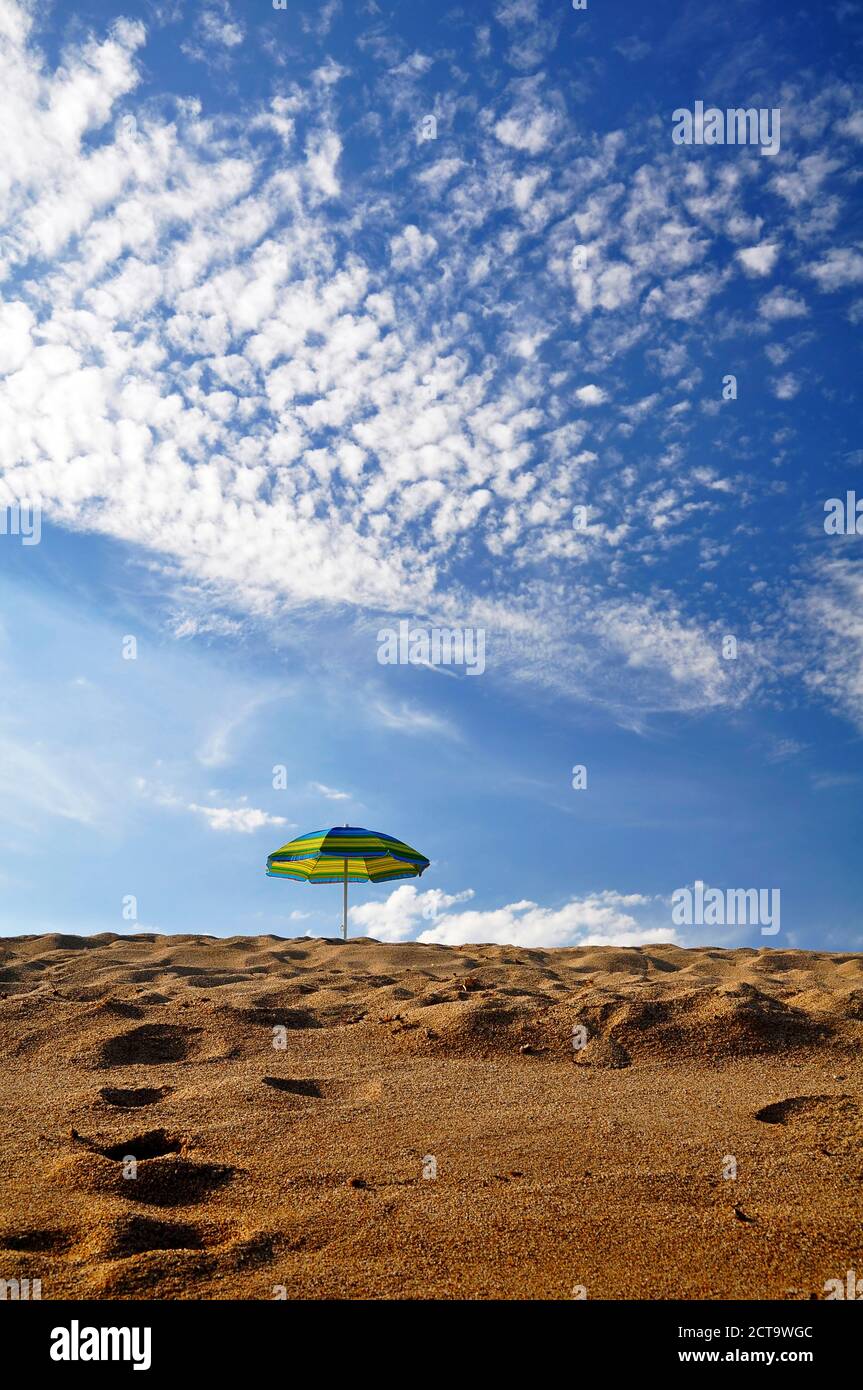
357	1119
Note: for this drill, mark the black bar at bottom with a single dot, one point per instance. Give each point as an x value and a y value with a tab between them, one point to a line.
82	1339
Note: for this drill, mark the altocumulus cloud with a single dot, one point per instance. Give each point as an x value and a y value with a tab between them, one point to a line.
200	357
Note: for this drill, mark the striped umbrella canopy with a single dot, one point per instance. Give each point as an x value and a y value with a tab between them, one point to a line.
346	854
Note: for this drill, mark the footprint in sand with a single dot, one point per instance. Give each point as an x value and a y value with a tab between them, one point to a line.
809	1109
163	1175
148	1253
832	1125
37	1241
294	1088
115	1238
152	1044
120	1237
332	1089
132	1233
170	1181
153	1143
134	1097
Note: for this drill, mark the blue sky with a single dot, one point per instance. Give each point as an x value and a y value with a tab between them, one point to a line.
319	319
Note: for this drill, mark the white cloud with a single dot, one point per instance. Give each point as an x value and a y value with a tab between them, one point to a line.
591	395
780	750
244	819
416	65
411	248
658	639
437	175
782	304
852	125
840	267
759	260
530	125
804	182
323	152
632	49
16	344
215	751
217	32
408	719
320	20
828	781
406	909
785	387
329	793
221	30
833	609
512	13
599	919
532	133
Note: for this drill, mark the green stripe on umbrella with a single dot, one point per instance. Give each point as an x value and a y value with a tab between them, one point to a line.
346	854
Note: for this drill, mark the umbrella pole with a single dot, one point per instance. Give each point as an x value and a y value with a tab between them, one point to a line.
345	916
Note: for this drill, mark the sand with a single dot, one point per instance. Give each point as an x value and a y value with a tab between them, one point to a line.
319	1119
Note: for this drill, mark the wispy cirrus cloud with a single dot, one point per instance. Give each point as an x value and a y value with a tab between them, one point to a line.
407	718
329	793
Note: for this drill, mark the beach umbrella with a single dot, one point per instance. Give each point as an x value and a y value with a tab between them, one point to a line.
346	854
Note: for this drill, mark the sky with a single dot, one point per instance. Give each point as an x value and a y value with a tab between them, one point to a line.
320	320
